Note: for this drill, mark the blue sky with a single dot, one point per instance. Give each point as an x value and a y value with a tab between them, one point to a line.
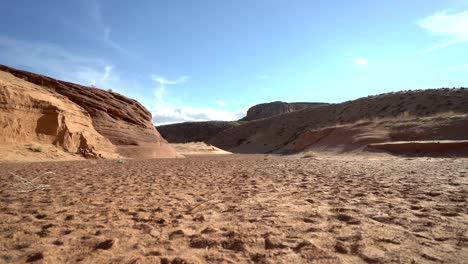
191	60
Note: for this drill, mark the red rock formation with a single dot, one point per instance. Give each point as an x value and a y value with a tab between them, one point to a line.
434	114
423	147
123	121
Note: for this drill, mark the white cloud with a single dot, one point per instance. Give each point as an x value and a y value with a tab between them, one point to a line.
220	103
165	112
453	26
52	60
107	73
264	76
163	81
361	61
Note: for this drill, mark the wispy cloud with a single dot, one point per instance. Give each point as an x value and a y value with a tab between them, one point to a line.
104	30
220	103
53	60
361	61
453	26
264	76
163	81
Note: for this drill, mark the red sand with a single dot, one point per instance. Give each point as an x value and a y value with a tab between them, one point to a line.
236	209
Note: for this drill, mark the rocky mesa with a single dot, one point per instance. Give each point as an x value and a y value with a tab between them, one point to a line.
81	120
204	131
266	110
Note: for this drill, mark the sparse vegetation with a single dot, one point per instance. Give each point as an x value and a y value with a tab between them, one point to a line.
38	149
30	185
308	155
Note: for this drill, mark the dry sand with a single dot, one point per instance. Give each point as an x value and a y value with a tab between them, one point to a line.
198	148
236	209
34	152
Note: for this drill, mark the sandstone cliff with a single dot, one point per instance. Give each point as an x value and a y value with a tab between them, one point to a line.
49	110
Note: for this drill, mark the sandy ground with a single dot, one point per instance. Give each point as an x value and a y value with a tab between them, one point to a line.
236	209
33	152
197	148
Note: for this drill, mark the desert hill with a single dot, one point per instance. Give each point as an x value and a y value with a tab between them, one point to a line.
266	110
80	120
205	130
194	131
435	114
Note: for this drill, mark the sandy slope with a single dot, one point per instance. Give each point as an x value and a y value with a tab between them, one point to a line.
237	209
197	148
29	153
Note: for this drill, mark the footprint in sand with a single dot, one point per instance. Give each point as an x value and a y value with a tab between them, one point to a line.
35	257
198	241
105	245
348	219
176	234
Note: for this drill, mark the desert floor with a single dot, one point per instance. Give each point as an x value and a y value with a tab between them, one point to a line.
236	209
197	148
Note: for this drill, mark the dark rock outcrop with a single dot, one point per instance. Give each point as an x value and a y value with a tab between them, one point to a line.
194	131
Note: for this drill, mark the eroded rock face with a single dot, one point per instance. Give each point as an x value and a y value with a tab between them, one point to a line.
118	120
459	147
276	108
29	113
